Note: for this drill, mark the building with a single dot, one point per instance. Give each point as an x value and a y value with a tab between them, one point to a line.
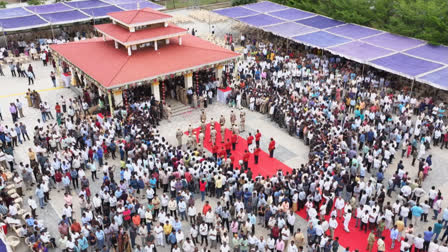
140	47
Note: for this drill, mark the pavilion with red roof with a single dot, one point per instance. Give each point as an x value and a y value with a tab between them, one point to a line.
140	47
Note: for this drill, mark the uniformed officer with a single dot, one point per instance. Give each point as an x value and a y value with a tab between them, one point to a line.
213	135
242	121
232	118
203	116
179	135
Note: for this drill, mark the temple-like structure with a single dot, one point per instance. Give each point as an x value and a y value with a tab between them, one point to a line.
140	47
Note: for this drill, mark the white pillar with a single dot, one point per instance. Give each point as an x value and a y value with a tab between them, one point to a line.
180	40
155	90
118	97
166	24
111	107
188	80
219	74
116	44
167	41
155	45
104	37
129	51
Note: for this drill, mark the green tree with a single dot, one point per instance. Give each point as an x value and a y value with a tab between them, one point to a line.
423	19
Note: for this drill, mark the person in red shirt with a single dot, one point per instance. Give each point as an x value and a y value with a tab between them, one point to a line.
202	188
57	108
206	208
232	159
222	153
256	154
257	138
246	157
215	151
234	140
271	148
228	145
250	139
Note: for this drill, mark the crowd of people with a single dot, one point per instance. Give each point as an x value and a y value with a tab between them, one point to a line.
163	194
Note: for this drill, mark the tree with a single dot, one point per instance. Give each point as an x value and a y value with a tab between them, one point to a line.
423	19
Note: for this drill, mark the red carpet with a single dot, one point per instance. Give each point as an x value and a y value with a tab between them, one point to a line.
269	166
266	166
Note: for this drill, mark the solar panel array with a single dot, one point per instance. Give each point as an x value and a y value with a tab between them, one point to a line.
409	57
22	18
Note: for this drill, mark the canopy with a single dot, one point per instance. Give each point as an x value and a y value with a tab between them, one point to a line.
22	18
65	16
101	11
408	57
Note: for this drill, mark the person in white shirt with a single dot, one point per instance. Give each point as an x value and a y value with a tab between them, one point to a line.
188	245
224	247
339	204
333	223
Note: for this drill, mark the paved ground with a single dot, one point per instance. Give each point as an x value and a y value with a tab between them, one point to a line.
290	150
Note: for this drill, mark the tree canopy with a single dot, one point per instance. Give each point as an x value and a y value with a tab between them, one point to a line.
423	19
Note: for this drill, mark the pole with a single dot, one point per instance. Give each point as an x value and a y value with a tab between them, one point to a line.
52	32
111	106
4	36
412	87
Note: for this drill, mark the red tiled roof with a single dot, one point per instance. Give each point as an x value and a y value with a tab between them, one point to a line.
124	35
113	67
138	16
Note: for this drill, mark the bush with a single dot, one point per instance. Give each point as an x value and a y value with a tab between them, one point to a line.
3	4
242	2
35	2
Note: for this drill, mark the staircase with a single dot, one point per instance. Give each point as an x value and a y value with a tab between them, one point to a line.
179	109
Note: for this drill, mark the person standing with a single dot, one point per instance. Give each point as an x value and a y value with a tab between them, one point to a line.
53	78
19	107
257	138
30	77
271	148
12	67
381	246
370	241
257	154
179	135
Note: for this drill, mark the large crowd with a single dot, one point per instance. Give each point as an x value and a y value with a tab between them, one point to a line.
355	125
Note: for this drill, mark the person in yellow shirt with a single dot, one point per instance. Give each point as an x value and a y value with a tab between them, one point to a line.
167	228
400	227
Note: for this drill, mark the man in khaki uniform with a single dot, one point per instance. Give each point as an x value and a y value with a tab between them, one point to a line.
179	135
203	116
222	121
203	126
236	129
201	138
242	120
223	133
213	135
168	112
190	130
232	118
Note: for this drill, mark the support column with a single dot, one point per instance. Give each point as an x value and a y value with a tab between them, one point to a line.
116	44
188	81
111	106
155	89
167	41
219	75
118	97
129	51
155	45
180	40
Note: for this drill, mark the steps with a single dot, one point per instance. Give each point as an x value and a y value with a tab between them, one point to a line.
179	109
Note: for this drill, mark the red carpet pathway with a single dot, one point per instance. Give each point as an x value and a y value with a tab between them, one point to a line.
267	166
